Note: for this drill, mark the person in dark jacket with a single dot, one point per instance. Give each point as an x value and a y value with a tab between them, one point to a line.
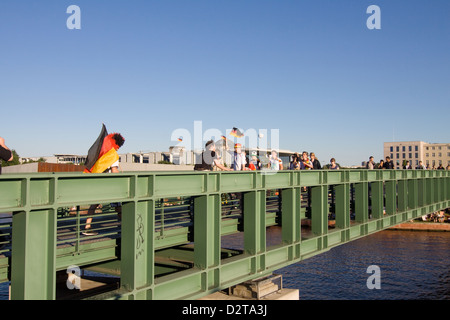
315	161
388	164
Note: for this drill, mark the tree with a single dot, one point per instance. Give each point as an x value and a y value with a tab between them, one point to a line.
41	159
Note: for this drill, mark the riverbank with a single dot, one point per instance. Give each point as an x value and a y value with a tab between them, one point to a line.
422	226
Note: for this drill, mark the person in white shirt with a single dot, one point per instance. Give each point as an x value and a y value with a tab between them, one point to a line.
275	163
239	160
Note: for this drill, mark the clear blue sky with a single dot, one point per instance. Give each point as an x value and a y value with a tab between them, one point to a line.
311	69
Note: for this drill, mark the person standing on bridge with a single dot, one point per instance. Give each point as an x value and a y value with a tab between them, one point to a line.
275	163
333	165
389	164
420	166
209	159
315	162
305	163
294	164
371	164
103	158
239	160
407	165
254	162
5	153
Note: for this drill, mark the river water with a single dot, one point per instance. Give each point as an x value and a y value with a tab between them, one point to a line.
413	265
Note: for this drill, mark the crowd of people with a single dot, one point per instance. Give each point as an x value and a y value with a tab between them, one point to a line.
389	164
438	216
212	160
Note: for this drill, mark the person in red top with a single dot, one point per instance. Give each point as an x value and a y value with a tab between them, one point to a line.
113	140
254	163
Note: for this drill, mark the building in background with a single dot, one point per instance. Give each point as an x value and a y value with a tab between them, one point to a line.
431	154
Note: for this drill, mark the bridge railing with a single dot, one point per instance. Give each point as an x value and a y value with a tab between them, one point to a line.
169	240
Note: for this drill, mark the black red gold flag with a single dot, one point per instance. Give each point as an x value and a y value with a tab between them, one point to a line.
236	133
103	153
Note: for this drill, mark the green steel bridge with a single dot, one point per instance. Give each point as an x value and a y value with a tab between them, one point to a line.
184	235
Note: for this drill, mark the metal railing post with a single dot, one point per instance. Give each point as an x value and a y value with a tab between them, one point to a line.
412	193
319	213
290	211
254	221
391	197
342	205
254	213
207	220
33	268
402	195
361	202
377	199
137	247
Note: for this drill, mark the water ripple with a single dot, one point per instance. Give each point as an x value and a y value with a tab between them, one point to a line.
414	265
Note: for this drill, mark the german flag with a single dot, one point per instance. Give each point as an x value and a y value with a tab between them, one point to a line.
103	153
236	133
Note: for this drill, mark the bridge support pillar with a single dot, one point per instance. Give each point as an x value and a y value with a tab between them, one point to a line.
137	247
291	219
421	190
33	269
207	220
254	221
342	205
361	202
441	189
402	195
377	199
412	194
445	188
391	197
207	230
291	215
429	191
319	212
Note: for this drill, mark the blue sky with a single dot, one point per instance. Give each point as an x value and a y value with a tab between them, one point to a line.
311	69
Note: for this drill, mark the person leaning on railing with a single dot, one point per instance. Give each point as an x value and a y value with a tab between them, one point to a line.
5	153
